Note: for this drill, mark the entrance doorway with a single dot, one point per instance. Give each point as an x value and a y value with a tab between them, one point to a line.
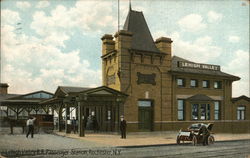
145	115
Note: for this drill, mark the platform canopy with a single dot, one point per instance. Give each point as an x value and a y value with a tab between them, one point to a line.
27	102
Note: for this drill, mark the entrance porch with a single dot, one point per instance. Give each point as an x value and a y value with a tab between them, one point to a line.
101	106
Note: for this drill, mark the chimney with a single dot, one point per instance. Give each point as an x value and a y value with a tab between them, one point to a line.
164	45
4	88
108	44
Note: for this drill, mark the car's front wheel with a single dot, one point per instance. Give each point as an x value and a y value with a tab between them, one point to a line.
210	140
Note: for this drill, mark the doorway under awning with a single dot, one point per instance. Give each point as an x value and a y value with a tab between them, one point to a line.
105	104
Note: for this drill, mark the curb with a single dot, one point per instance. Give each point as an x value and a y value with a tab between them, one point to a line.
173	144
156	145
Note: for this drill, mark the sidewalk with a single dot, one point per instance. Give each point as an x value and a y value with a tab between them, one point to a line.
144	138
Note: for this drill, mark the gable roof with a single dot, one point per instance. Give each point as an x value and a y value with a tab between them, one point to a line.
65	90
22	96
243	97
141	38
200	97
103	90
175	68
21	100
73	89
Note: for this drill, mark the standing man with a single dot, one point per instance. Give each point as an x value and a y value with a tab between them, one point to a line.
30	126
123	125
73	123
205	134
95	124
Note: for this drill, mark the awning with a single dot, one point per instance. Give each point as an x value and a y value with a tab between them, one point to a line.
200	97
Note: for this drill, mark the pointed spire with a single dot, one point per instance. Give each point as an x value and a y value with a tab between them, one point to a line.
142	38
130	8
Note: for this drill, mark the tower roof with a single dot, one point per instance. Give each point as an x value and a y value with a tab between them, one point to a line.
142	38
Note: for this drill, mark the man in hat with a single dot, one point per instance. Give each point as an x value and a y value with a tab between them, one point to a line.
205	134
30	125
123	125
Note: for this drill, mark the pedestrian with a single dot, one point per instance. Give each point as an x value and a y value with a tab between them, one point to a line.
123	126
73	123
95	124
30	126
89	125
205	134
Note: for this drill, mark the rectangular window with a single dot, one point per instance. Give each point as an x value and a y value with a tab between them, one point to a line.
201	111
180	82
217	110
145	103
195	112
241	112
208	112
109	115
193	83
205	112
180	109
217	85
205	84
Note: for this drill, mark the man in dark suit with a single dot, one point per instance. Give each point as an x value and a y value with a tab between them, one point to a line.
123	125
73	123
95	124
205	134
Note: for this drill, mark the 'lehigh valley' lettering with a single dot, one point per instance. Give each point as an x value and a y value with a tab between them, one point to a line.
198	66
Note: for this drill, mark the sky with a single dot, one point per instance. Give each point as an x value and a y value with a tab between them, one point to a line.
45	44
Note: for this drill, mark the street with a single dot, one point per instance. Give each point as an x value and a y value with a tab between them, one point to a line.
48	145
219	149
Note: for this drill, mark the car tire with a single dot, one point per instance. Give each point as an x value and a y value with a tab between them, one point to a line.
210	140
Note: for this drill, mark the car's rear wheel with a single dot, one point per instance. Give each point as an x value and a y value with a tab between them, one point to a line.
210	140
194	141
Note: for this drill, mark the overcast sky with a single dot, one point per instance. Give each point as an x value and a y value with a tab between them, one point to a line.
49	43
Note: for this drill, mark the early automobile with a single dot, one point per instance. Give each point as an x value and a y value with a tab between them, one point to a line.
193	134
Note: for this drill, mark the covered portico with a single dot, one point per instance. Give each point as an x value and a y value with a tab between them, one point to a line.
65	106
103	103
15	109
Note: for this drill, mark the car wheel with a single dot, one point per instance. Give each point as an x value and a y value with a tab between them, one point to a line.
194	141
211	140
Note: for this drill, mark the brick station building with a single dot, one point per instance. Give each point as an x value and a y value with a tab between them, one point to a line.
154	90
167	92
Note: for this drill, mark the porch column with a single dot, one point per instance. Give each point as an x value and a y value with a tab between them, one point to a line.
60	119
118	117
76	112
112	117
17	113
81	120
67	121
